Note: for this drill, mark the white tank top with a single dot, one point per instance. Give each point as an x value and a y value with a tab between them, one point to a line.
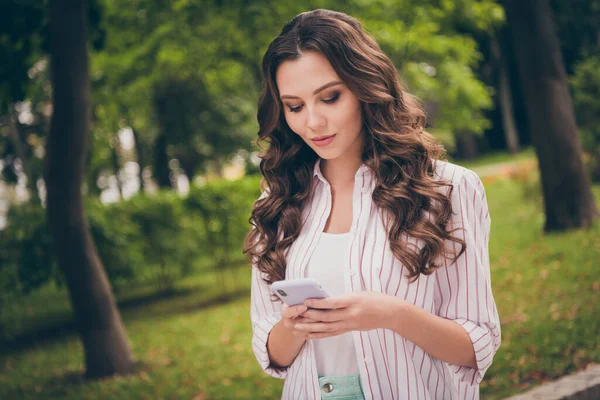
335	355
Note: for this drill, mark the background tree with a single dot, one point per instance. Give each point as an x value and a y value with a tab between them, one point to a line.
218	46
505	97
99	323
568	199
21	35
586	85
433	46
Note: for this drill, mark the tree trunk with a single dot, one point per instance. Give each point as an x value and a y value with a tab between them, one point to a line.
98	320
568	199
93	189
161	162
92	174
139	151
21	151
466	145
511	136
189	161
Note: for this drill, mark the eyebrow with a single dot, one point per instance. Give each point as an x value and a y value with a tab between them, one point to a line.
325	86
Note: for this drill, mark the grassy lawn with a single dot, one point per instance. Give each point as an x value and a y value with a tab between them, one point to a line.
547	288
497	158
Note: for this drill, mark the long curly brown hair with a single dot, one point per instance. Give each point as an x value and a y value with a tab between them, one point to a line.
397	149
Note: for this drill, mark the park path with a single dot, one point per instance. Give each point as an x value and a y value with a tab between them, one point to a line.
583	385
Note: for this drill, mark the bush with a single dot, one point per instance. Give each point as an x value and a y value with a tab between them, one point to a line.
167	237
224	208
26	250
146	239
118	241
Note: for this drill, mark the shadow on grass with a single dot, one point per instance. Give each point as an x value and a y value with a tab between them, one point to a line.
59	385
65	328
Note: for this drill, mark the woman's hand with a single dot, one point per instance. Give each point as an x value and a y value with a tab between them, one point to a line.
356	311
291	316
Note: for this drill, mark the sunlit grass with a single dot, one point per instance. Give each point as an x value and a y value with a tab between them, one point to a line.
186	348
547	288
497	158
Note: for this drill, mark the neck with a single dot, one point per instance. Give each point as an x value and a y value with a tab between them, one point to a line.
340	171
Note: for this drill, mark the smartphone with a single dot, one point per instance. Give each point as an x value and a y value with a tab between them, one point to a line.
295	291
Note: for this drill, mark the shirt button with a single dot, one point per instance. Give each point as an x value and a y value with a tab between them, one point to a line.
328	388
352	272
367	360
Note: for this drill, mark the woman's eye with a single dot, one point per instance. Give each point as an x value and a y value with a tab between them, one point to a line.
332	99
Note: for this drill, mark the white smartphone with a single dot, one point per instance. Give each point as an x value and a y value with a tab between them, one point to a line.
295	291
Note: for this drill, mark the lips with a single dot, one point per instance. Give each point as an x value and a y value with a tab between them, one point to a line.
323	140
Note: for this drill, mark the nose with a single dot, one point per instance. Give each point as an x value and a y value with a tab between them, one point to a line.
314	120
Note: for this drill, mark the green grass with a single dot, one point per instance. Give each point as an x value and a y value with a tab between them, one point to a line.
547	288
185	349
49	306
497	158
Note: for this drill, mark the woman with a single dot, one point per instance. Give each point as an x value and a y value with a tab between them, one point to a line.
359	199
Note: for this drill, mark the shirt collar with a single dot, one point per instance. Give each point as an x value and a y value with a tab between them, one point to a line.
363	169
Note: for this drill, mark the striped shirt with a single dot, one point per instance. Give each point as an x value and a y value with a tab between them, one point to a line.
392	367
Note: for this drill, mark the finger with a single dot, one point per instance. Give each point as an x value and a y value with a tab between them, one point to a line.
290	323
326	316
302	319
320	327
327	303
299	309
293	311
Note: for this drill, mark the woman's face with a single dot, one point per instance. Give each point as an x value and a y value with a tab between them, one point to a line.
317	104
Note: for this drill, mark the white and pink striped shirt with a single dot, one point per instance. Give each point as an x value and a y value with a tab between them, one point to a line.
392	367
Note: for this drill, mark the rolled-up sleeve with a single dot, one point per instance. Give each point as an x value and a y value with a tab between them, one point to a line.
264	314
463	290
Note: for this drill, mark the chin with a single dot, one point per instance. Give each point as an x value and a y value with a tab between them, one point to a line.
327	155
